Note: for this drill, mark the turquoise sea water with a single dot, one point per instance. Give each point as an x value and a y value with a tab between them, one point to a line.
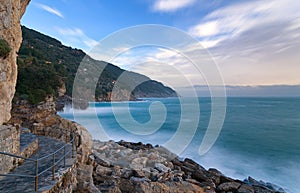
259	137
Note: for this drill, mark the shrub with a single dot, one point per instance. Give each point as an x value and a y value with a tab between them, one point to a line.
4	48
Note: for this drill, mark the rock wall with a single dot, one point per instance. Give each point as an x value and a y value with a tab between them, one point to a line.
11	12
9	143
42	119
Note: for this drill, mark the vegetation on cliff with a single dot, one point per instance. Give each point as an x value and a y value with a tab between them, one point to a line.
4	48
44	64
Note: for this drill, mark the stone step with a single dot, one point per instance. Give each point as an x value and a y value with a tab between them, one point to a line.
25	184
28	143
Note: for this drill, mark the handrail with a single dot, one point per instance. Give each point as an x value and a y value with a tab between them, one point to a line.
55	163
55	151
17	156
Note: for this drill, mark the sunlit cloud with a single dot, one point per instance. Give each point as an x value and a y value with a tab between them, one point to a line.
231	21
50	10
171	5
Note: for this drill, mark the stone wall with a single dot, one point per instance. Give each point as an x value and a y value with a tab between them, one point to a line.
9	143
11	12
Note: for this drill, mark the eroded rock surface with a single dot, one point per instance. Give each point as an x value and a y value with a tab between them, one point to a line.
11	12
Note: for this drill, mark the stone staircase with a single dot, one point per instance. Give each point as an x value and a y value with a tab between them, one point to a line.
38	147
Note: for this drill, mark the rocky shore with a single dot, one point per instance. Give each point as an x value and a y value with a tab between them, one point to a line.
115	167
136	167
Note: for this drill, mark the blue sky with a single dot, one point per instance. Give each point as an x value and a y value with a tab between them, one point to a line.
252	42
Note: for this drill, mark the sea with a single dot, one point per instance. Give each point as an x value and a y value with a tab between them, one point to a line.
257	137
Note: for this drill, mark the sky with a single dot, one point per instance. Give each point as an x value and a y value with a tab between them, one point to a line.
249	42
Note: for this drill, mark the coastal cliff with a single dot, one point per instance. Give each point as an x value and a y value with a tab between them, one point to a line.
11	38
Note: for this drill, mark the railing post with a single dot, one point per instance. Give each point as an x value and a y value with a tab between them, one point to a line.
53	167
36	187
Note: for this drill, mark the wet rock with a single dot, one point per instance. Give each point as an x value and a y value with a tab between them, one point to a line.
200	175
264	186
224	179
229	186
215	175
245	189
177	162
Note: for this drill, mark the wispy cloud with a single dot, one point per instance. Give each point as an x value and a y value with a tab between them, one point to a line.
50	10
171	5
71	32
230	22
77	36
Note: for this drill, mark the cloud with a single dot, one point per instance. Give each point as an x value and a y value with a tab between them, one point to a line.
50	10
77	36
230	22
171	5
71	32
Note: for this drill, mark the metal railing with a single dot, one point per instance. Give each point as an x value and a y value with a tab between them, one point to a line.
38	160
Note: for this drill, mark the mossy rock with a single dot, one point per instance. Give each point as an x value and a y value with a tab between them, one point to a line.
4	48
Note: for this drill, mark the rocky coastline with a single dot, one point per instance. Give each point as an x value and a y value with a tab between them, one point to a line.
115	167
136	167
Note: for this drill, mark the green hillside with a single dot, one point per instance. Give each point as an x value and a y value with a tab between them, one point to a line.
44	65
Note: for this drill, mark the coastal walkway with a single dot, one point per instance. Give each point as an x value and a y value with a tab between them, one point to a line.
41	171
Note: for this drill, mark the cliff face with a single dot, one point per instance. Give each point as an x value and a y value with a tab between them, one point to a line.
11	12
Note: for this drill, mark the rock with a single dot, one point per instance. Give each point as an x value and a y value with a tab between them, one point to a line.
116	171
229	186
100	161
193	181
139	163
10	32
245	189
85	179
103	171
135	146
187	170
178	173
138	173
174	187
208	185
177	179
224	179
139	180
126	173
147	172
215	175
162	168
200	175
261	189
264	186
176	162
